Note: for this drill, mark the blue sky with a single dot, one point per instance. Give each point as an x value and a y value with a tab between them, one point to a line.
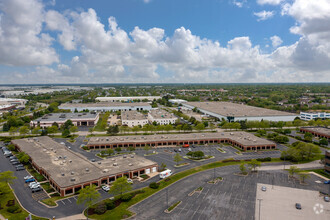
164	41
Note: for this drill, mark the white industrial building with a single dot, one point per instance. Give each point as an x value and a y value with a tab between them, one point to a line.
133	118
161	117
127	99
106	106
239	112
9	101
314	115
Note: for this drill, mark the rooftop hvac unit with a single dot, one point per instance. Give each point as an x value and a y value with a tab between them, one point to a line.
62	174
107	139
72	173
54	151
87	169
113	159
115	164
70	161
105	170
99	162
130	164
73	179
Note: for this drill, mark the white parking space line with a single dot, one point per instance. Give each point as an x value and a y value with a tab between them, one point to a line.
63	202
75	198
69	200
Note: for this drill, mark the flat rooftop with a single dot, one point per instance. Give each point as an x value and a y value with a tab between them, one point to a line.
133	115
103	104
320	130
65	116
128	98
241	137
161	114
237	110
69	168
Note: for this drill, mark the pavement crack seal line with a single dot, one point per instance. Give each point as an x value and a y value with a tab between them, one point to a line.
21	204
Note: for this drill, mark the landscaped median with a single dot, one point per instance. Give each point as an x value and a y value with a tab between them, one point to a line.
121	211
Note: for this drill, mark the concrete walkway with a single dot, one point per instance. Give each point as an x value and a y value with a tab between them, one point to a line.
74	217
2	218
313	164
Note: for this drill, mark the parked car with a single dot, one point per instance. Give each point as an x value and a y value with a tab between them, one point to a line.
8	154
33	183
20	165
12	157
19	168
35	186
106	188
175	150
16	162
28	177
36	189
327	182
30	180
12	160
179	149
130	181
298	206
263	188
326	199
193	146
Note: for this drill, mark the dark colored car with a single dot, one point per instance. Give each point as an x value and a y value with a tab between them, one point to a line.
36	189
298	206
18	168
15	162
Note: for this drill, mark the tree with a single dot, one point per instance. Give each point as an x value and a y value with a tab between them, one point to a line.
88	196
12	130
7	177
168	127
120	186
303	176
293	170
24	130
162	167
118	149
253	164
242	168
324	142
131	149
73	129
135	129
52	129
147	148
110	151
114	129
23	158
65	133
67	124
177	158
200	127
36	130
308	137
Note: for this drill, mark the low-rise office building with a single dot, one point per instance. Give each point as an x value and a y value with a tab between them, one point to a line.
239	112
127	99
243	140
78	119
161	117
314	115
320	132
68	171
106	106
133	118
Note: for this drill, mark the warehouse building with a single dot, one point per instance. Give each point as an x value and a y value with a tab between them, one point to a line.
78	119
127	99
314	115
243	140
16	102
320	132
133	118
237	112
106	106
68	171
161	117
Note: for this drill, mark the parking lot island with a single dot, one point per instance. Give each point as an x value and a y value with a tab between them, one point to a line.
243	140
68	171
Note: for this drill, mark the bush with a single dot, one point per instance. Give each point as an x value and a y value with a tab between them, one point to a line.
154	185
11	147
264	159
13	209
85	148
101	208
110	204
126	197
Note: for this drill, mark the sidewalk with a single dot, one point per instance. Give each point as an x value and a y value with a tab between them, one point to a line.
74	217
313	164
2	218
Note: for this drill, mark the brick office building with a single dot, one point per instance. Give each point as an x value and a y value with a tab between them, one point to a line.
320	132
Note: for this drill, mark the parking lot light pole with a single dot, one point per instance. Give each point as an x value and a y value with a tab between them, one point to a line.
259	207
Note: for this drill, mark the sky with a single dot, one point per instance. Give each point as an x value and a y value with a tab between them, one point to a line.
164	41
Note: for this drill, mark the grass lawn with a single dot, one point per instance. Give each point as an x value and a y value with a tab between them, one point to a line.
22	214
173	206
47	187
34	173
102	123
319	171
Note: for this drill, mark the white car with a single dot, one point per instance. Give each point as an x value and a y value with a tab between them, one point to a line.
33	183
130	181
106	188
35	186
28	177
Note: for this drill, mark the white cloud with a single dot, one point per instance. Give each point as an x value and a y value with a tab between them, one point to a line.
146	1
276	41
264	15
21	39
239	3
269	2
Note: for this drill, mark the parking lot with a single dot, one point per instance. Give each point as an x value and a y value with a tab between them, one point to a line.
233	198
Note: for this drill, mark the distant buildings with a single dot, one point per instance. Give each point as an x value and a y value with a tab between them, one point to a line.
236	112
78	119
127	99
133	118
16	102
314	115
106	106
161	117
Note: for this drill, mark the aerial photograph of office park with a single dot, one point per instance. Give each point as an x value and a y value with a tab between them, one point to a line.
150	109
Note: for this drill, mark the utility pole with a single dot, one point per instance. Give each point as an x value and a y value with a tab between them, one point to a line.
259	207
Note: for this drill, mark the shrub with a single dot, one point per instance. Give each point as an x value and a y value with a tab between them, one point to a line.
264	159
154	185
101	208
85	148
110	204
13	209
126	197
